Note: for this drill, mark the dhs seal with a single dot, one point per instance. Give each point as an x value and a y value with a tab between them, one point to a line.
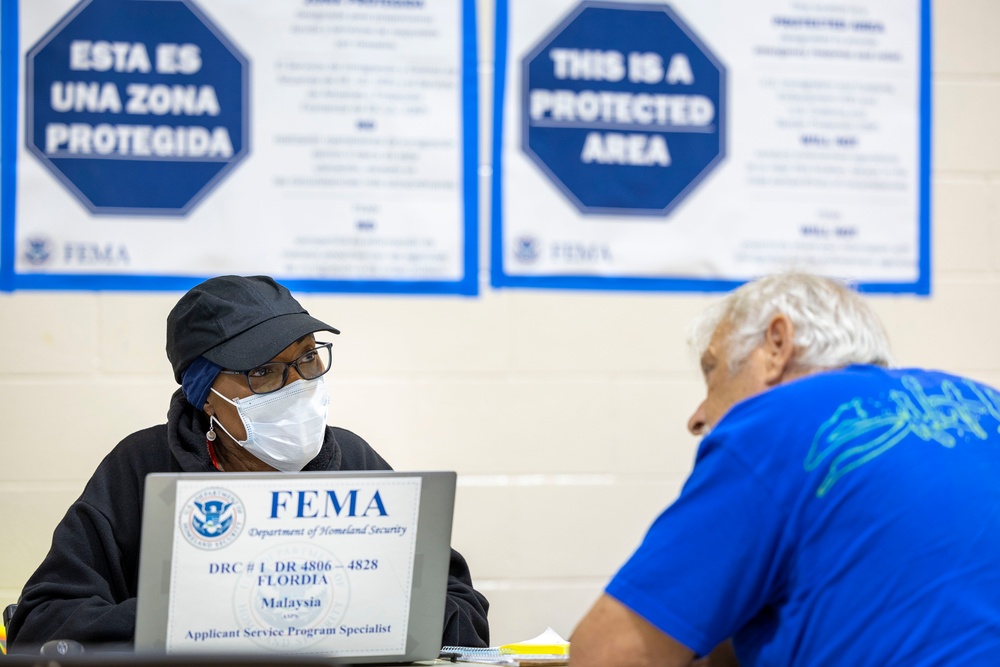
526	249
38	250
212	518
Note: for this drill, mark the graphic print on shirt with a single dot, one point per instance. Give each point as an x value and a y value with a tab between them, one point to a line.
854	435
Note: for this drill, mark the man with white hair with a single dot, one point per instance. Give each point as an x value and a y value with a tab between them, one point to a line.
839	512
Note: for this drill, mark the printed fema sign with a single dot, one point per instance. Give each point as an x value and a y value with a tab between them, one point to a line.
691	146
623	108
320	564
138	108
133	164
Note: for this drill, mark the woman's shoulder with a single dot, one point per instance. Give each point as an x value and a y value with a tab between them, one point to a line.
137	455
356	453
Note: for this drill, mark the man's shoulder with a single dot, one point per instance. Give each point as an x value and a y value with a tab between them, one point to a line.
866	382
856	380
806	400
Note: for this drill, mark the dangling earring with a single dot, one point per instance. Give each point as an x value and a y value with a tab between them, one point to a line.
210	434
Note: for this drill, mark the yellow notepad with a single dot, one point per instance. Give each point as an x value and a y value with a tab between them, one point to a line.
546	650
547	643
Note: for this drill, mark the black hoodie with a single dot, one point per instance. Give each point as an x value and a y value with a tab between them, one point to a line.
85	589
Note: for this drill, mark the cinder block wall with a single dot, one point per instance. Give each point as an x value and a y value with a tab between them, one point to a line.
563	412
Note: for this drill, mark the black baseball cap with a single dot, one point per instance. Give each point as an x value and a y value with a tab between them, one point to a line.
237	322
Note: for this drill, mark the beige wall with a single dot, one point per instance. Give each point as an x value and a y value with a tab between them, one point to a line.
563	412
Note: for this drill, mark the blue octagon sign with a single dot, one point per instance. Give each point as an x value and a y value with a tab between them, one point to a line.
138	107
623	108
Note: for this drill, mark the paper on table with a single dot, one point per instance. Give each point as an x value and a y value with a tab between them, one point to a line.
547	648
547	643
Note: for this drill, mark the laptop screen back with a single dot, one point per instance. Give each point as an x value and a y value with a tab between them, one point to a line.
351	565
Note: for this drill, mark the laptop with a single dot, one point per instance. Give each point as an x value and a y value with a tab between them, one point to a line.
348	566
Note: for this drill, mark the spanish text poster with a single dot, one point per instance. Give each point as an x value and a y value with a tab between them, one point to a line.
321	566
696	144
329	144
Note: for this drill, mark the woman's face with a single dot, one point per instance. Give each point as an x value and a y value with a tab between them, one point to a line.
234	386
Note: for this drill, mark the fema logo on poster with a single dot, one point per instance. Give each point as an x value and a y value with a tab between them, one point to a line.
137	107
212	518
623	108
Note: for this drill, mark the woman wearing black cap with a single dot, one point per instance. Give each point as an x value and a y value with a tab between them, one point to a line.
244	351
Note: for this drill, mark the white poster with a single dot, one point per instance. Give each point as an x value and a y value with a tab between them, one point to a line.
313	567
696	144
329	144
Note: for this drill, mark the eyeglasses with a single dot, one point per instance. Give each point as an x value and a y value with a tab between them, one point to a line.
273	375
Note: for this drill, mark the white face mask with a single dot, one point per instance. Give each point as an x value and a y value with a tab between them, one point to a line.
285	429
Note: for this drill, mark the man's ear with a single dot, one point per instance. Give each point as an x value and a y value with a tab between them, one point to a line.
779	349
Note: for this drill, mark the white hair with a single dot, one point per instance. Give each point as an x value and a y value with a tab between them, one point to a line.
834	326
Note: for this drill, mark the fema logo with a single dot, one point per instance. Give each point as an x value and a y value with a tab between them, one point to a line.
623	108
212	519
37	250
526	249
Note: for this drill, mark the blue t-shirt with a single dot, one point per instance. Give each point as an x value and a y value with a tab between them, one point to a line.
847	518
